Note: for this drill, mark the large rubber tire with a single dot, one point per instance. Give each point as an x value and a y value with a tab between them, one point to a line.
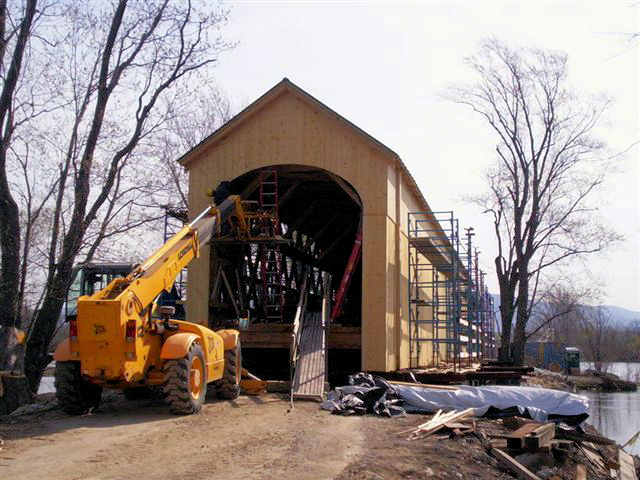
75	395
228	387
185	384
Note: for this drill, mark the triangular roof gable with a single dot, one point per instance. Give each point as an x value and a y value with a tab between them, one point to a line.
282	87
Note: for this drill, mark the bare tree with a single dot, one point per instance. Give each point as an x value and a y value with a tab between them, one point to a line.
115	65
547	169
14	38
597	329
556	314
192	120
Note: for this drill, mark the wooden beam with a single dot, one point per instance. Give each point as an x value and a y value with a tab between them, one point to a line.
216	282
540	437
306	214
423	385
287	195
627	469
438	422
338	239
252	187
515	440
240	291
253	339
514	466
348	189
230	292
325	228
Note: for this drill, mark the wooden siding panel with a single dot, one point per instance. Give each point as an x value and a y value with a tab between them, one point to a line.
290	131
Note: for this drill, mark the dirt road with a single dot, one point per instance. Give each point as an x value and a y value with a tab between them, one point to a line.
250	438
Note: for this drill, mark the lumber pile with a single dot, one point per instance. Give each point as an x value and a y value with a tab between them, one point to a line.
452	421
533	450
590	456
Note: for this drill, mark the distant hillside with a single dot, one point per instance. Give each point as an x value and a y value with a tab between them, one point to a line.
621	316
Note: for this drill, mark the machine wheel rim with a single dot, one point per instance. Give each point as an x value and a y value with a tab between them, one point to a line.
196	377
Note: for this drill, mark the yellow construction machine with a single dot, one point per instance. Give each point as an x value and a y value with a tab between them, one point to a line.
121	339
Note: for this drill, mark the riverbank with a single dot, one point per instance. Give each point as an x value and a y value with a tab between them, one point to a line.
589	380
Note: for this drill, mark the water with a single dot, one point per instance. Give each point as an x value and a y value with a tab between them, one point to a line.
625	370
616	415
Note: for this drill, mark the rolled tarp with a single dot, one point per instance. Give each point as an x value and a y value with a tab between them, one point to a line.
368	394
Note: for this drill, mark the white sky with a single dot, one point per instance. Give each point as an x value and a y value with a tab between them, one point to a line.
382	65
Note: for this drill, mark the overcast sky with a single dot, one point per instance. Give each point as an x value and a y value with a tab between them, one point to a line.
383	65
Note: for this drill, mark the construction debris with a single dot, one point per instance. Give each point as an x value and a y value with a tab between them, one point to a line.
627	468
365	394
371	394
439	421
531	450
513	465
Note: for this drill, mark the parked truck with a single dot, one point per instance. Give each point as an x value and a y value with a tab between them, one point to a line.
121	338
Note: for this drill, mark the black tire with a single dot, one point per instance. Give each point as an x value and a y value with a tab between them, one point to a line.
75	395
228	387
183	399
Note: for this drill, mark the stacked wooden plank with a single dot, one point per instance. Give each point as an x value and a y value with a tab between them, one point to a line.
450	420
531	436
592	454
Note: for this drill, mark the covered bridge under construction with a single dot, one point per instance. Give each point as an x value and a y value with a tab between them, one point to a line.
360	273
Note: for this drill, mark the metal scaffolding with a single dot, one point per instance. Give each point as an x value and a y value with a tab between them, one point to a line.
434	289
451	315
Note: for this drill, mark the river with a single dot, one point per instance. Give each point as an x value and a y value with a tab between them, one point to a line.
616	415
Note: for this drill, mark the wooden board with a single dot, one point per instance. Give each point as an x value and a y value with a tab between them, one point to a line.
439	421
540	437
514	466
310	375
627	468
515	440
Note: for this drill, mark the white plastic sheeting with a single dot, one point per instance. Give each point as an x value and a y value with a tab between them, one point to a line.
539	402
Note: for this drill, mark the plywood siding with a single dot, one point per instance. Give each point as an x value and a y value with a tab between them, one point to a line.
402	199
287	127
289	131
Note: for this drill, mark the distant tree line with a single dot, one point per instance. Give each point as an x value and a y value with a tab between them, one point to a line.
563	317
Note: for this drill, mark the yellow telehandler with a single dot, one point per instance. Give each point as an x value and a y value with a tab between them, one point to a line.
121	339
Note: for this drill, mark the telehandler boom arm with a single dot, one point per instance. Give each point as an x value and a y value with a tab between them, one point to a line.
159	271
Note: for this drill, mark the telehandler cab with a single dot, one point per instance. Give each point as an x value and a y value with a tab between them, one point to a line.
121	339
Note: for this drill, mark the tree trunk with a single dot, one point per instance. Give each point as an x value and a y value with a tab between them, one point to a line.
506	319
519	335
44	326
13	385
14	390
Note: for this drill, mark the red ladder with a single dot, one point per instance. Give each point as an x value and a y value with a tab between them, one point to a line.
270	255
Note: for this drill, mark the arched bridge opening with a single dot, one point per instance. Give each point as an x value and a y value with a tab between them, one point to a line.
309	263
